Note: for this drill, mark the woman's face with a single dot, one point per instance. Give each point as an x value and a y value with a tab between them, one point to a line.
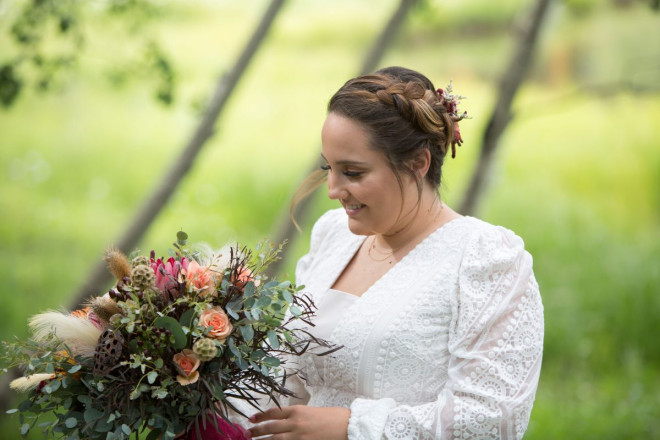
361	179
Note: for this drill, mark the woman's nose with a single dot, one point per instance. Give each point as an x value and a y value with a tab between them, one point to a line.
336	191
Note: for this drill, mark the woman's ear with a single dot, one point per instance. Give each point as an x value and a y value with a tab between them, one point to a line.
421	163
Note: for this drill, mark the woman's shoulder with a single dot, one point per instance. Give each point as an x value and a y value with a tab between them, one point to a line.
486	242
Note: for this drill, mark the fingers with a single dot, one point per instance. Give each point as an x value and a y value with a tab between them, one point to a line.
272	428
269	414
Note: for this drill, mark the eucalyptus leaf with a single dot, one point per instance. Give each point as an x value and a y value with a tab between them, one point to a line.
26	428
171	324
247	332
71	422
152	376
92	414
273	340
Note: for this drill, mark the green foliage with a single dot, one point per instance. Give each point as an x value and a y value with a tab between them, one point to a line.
48	37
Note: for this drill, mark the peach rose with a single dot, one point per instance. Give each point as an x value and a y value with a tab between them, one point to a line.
187	364
244	276
218	320
200	277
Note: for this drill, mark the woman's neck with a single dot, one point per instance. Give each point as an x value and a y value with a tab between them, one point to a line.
426	217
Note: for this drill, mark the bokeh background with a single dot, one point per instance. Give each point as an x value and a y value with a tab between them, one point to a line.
577	174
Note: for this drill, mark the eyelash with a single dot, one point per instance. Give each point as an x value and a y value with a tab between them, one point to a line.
350	174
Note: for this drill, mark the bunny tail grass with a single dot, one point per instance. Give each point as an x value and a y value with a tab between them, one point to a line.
118	263
27	383
78	333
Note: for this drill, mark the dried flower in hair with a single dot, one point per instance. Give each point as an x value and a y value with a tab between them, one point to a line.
451	101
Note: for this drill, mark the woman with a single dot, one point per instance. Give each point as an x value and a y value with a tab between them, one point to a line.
438	315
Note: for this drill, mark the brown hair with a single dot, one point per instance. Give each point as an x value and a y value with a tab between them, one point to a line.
403	115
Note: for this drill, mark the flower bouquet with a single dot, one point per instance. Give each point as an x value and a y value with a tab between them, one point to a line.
166	351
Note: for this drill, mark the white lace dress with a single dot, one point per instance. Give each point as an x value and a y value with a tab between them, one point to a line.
446	345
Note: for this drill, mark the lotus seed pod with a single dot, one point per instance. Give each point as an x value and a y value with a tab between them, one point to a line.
141	261
142	277
205	349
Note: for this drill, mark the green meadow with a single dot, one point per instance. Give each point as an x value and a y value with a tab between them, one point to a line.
577	174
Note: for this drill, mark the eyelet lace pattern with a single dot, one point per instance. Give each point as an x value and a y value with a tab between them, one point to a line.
446	345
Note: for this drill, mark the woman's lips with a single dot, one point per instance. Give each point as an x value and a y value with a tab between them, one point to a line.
353	209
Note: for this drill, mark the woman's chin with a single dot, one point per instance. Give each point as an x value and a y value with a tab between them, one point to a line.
358	228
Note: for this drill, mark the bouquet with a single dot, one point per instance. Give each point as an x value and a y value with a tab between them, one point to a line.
167	350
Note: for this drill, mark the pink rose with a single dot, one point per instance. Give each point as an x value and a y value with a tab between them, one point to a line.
218	320
187	364
200	277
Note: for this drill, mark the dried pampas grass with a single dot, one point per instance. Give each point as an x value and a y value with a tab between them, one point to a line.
27	383
80	335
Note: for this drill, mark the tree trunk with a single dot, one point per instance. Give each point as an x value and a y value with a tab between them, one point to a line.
286	230
100	276
518	66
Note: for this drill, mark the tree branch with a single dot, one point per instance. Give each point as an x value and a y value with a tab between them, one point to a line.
501	116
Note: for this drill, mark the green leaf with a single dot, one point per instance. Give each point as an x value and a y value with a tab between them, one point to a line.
263	302
152	376
126	429
287	296
92	414
249	289
75	369
271	361
273	340
295	311
154	435
71	422
161	394
247	332
181	238
84	399
26	427
173	325
11	411
159	363
188	317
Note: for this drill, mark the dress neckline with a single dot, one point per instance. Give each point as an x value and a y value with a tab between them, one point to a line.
392	269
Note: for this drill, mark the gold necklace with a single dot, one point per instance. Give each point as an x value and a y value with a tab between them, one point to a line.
372	248
391	252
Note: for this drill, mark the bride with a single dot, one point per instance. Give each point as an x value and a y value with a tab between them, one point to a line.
439	315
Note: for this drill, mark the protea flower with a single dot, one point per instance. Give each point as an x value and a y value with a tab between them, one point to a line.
167	274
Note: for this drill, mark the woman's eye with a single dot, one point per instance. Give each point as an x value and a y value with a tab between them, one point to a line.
325	167
352	174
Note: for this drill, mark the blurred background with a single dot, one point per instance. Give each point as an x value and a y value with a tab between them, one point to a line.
100	101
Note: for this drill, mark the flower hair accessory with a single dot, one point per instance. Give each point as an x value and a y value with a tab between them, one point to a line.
451	101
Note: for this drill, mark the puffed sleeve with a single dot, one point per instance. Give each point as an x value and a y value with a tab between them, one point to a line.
495	344
321	229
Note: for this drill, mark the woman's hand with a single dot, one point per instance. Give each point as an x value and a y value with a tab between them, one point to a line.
300	422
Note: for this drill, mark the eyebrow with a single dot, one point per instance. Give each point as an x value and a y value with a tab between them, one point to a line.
346	162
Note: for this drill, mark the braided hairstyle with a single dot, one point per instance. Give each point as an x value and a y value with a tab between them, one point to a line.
403	115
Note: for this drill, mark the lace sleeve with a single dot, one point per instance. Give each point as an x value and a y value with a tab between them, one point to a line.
319	232
495	342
